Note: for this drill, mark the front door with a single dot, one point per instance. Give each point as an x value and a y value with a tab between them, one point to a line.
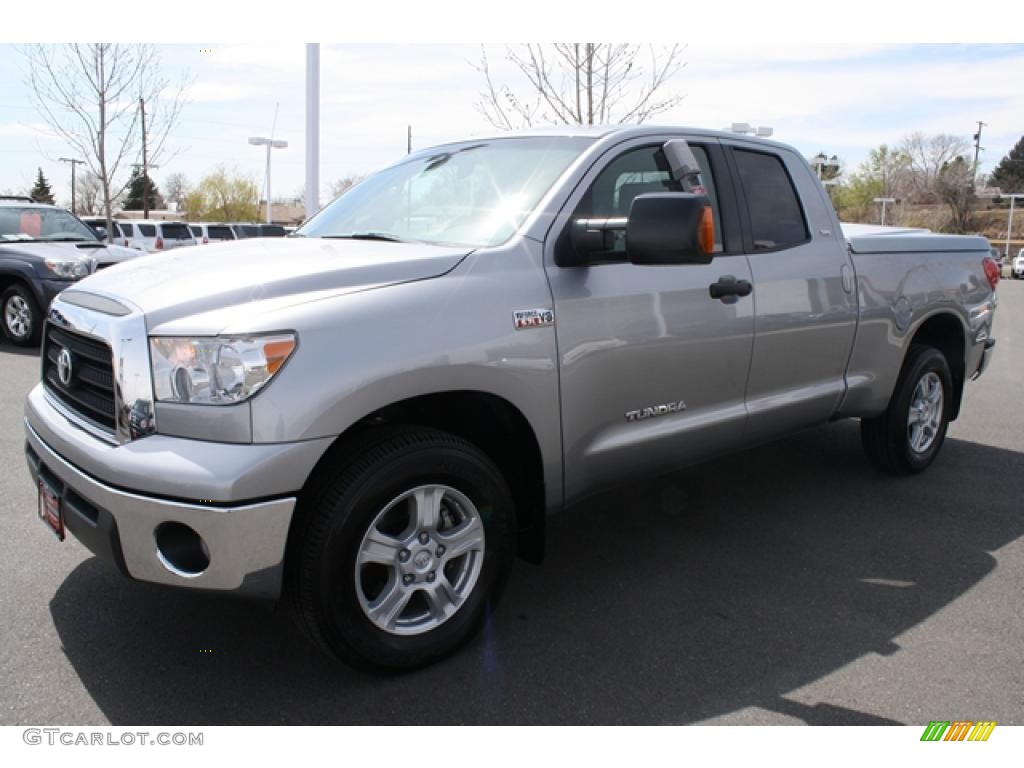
652	369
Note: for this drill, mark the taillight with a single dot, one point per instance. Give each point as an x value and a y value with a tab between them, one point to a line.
159	245
205	240
992	271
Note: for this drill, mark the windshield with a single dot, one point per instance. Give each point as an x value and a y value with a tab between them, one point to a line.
18	223
474	194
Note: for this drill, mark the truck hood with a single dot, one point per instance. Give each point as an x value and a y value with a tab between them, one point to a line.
274	272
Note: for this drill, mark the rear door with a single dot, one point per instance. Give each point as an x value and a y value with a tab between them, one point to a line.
652	369
804	294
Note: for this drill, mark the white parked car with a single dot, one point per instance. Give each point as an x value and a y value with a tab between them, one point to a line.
211	232
1017	270
151	235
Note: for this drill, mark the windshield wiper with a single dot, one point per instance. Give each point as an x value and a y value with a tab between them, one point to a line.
66	239
366	236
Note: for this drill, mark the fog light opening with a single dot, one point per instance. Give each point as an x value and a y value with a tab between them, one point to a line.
181	550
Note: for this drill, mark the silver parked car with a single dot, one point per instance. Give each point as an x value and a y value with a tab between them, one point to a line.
372	418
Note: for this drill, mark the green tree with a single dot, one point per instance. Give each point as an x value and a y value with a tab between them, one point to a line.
1009	174
885	173
138	186
41	192
224	195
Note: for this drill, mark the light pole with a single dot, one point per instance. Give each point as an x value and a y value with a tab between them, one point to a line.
259	141
1014	196
883	201
312	129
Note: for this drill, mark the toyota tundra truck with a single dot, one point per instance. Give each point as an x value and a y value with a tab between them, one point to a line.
371	419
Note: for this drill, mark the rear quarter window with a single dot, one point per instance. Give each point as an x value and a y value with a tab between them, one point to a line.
220	233
147	230
176	232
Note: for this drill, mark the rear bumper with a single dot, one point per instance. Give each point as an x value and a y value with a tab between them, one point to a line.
986	358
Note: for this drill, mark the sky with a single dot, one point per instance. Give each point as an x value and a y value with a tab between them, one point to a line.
842	99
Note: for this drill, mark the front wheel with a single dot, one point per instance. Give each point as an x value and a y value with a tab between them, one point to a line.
22	318
404	550
908	436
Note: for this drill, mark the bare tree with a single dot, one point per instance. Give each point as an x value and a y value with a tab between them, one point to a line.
926	157
88	191
582	84
344	184
90	94
954	185
175	189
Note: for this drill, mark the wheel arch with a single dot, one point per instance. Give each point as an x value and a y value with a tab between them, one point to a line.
492	423
946	332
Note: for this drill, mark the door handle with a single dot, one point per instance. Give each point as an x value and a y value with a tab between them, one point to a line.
728	289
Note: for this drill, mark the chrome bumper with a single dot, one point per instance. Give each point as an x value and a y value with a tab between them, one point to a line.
128	492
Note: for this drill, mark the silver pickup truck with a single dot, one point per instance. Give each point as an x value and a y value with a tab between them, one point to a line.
372	418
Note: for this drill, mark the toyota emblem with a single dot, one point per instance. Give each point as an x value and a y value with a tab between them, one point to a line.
64	371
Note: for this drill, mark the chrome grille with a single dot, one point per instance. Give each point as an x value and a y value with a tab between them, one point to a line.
89	391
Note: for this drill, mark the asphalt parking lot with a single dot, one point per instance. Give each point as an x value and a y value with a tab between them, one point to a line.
788	584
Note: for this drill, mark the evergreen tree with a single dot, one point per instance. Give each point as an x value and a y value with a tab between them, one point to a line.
139	185
41	192
1009	174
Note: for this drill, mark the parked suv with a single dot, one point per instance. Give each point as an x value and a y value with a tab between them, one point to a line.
98	224
43	250
244	230
151	235
210	232
1018	265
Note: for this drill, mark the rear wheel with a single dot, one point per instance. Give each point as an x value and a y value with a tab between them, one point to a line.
404	551
908	436
21	316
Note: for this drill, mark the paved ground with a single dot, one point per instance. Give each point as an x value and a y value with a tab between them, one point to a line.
787	584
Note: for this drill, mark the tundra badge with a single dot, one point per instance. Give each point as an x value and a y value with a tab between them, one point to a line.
655	410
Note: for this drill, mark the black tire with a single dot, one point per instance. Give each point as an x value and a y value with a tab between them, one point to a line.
336	515
887	439
31	316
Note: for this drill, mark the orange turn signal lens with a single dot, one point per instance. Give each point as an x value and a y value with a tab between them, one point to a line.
276	352
706	232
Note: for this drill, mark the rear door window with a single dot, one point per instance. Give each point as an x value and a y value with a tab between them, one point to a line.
776	218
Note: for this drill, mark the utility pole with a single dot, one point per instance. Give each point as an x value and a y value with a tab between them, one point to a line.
408	141
73	164
145	162
977	150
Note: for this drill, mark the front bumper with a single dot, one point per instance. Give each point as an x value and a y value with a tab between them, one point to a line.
238	499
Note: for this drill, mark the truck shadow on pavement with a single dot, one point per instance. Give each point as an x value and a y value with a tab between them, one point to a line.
721	587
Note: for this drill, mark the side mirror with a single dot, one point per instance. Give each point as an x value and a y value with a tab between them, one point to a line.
590	239
670	228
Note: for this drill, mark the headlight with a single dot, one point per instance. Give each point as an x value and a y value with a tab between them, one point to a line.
216	370
68	269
